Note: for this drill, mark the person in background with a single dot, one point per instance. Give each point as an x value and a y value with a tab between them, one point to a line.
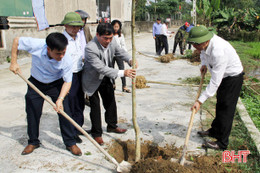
180	38
73	23
188	28
156	35
97	77
226	70
51	73
164	33
85	37
119	37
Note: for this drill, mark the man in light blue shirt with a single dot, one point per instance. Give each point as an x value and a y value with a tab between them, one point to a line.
156	34
51	73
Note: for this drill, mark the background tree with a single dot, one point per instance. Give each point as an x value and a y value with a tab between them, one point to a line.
164	8
140	10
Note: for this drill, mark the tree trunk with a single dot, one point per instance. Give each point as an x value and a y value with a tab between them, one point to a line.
136	127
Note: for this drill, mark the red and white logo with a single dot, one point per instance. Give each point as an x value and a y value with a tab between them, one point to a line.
230	156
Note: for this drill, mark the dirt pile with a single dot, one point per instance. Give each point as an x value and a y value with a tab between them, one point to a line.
156	159
141	82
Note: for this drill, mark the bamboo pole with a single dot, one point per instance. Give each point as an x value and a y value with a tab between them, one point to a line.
174	84
136	127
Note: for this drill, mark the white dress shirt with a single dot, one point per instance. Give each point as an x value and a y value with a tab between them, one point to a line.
82	41
75	51
120	72
222	61
164	30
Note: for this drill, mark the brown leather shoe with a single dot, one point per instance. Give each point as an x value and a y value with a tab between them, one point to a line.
204	133
29	149
75	150
99	140
116	130
212	145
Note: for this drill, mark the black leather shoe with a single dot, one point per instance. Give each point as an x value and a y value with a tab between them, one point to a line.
116	130
78	140
204	133
212	145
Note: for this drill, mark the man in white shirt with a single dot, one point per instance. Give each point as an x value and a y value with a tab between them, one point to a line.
226	70
163	37
85	37
73	23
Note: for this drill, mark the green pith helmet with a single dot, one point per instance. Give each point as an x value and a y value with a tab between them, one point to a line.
73	19
199	34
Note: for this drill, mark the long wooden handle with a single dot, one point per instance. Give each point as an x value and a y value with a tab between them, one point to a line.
191	122
200	87
70	119
194	111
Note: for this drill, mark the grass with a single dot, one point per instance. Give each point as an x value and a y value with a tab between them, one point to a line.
249	54
240	140
254	50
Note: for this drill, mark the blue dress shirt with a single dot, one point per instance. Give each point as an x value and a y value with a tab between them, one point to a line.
45	69
189	28
156	28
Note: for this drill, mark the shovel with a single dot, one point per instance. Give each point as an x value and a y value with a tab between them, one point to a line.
182	159
122	167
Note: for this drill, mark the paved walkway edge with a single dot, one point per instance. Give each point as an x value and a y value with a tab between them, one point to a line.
253	131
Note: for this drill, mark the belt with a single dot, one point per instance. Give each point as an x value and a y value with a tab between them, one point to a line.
238	75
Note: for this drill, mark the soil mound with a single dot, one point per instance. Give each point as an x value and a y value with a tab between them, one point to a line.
156	159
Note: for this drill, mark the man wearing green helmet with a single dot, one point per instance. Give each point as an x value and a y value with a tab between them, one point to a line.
73	23
226	70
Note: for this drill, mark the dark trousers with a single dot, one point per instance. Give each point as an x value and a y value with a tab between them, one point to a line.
227	97
121	66
34	104
106	92
77	100
157	43
164	46
175	46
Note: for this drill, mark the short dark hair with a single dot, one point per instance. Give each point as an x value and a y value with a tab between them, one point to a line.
120	27
57	41
105	29
159	19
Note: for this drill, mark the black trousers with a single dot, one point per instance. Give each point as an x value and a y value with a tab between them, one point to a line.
175	46
106	92
121	66
165	45
77	100
157	43
34	104
227	97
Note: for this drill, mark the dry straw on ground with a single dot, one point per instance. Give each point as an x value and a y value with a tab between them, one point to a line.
141	82
166	58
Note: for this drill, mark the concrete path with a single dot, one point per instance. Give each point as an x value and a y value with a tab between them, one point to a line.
163	115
